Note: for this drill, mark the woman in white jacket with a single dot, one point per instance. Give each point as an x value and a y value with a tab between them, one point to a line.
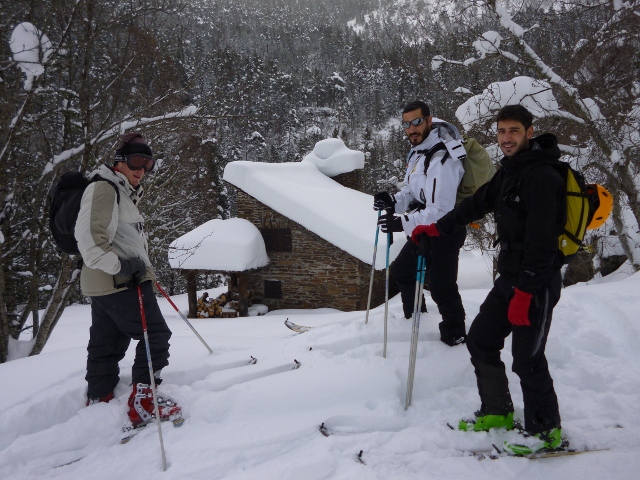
113	244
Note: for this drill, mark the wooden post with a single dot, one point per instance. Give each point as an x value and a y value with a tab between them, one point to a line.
244	295
191	292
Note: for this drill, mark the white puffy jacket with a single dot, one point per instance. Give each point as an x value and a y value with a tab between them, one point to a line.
107	230
436	189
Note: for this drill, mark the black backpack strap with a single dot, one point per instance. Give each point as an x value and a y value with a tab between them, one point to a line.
428	154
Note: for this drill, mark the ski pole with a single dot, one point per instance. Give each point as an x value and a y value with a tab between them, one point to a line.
153	380
420	274
373	268
386	294
183	317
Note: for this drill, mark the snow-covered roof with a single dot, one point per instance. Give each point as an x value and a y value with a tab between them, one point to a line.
232	245
332	157
299	191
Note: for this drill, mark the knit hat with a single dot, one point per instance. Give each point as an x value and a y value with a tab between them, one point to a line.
132	143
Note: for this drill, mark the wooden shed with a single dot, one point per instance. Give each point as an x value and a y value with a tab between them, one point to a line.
233	247
318	233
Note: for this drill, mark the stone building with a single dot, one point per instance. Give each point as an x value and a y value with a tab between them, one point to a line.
318	232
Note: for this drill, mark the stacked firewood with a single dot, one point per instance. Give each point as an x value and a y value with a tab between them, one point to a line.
224	306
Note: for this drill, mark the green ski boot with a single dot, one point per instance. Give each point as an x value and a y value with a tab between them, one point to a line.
548	441
484	423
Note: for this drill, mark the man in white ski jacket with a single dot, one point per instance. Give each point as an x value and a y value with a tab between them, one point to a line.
113	244
434	171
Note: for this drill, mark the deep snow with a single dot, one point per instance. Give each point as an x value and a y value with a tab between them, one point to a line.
261	421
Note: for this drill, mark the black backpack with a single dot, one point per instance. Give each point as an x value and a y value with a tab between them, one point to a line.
64	205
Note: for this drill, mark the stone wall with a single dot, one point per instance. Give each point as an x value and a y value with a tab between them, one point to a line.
315	274
352	180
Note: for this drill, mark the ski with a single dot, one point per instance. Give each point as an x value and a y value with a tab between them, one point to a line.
295	327
129	431
497	453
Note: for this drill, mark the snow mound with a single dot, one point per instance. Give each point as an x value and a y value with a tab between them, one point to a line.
232	245
332	157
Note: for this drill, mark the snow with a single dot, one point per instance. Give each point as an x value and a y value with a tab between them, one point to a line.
535	95
19	348
332	157
31	50
232	245
261	421
488	44
299	191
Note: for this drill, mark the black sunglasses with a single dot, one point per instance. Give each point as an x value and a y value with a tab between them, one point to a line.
416	122
138	161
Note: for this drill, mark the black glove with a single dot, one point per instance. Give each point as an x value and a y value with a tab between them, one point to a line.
383	201
131	266
390	223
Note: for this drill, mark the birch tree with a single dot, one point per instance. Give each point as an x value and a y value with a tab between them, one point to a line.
588	89
81	73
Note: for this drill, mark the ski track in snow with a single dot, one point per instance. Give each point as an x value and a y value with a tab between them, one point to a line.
261	421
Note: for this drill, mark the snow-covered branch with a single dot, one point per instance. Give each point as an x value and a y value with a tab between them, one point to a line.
536	95
116	130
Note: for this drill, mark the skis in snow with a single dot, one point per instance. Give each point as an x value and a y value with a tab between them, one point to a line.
295	327
494	454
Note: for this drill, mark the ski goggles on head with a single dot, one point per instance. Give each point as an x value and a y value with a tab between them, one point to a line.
416	122
138	161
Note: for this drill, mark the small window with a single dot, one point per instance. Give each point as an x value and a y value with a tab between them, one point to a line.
273	289
277	239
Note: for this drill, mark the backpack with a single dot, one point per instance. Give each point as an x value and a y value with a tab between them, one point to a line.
478	168
64	205
588	207
477	164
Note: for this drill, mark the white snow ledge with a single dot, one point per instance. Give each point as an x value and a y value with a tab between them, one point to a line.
332	157
232	245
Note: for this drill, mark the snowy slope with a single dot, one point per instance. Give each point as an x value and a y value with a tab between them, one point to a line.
261	421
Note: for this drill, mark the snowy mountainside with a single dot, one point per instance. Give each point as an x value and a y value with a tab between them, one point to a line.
261	421
404	13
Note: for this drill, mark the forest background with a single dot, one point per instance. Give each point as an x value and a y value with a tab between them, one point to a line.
210	82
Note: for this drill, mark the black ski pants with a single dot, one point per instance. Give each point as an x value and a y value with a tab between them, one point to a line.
115	320
442	257
486	339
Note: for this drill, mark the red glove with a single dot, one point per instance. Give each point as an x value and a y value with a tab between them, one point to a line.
518	312
430	230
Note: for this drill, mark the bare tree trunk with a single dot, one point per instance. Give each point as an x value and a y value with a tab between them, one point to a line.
4	318
67	278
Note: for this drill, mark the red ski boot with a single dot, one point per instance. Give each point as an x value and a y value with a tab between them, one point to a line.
106	399
141	406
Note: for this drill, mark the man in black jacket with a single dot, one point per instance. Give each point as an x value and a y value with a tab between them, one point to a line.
528	198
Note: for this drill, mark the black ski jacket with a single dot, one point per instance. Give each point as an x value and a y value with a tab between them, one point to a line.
528	199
